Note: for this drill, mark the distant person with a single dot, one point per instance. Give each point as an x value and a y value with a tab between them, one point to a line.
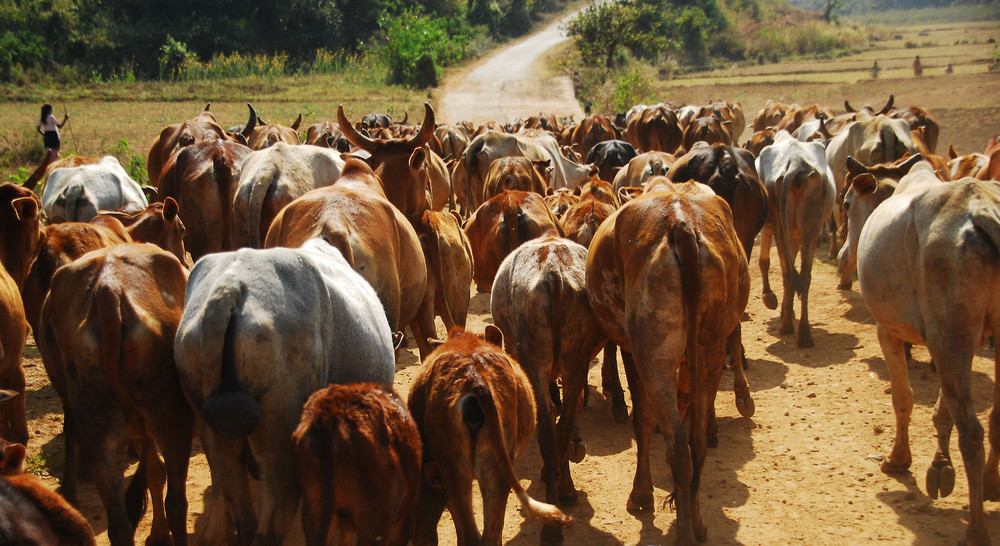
993	65
917	69
948	69
874	70
49	129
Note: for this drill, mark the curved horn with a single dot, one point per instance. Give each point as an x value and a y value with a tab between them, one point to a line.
905	166
848	107
351	134
888	105
822	128
406	117
207	106
854	167
298	120
251	123
426	128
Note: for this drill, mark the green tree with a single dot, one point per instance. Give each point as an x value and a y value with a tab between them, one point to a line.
601	30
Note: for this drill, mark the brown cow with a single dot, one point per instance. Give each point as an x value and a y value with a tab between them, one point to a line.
448	256
21	225
539	301
13	334
374	237
561	200
202	179
112	345
475	410
961	166
709	129
357	459
158	224
769	116
31	514
668	280
581	221
502	224
759	140
413	177
260	134
992	169
178	135
590	131
516	173
654	128
327	134
641	167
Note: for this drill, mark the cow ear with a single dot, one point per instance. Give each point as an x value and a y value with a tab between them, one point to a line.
549	192
12	460
458	217
494	335
864	184
170	209
434	343
150	193
577	191
25	208
417	158
397	340
951	151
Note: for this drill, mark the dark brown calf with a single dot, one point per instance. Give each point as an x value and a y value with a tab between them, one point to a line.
357	458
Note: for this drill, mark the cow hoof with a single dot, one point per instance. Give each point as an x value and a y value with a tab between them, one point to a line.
770	300
159	541
568	498
889	466
940	481
805	341
991	486
746	406
578	450
639	502
620	411
845	285
551	535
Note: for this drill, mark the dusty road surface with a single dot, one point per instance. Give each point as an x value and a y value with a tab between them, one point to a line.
505	87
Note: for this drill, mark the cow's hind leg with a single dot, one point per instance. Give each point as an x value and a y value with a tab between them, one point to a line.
899	459
764	263
612	384
741	387
13	410
173	432
641	497
430	506
495	494
155	482
230	486
991	476
941	475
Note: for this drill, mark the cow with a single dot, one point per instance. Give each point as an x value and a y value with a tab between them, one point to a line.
453	140
546	122
13	335
475	411
448	256
814	129
796	115
801	194
759	140
654	128
516	173
560	201
327	134
961	166
202	178
920	119
590	131
769	115
31	514
76	194
992	169
709	129
110	344
539	302
502	224
609	156
731	112
865	189
597	202
21	225
373	236
159	224
260	134
261	331
414	178
668	281
357	458
202	127
270	179
641	168
928	271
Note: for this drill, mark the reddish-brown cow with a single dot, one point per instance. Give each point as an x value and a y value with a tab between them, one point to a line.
357	459
475	411
260	134
449	266
178	135
516	173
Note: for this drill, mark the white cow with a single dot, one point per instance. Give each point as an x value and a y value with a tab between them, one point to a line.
75	194
929	270
801	194
261	331
271	178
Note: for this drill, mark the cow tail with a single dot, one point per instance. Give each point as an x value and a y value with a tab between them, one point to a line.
986	217
783	189
228	409
439	273
70	200
688	254
511	216
135	494
556	315
223	168
479	412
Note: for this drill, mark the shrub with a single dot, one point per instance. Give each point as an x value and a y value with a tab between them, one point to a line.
632	88
417	46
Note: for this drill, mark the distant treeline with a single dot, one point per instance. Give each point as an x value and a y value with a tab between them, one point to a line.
863	7
142	37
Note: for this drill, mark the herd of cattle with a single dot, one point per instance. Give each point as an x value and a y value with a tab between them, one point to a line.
267	313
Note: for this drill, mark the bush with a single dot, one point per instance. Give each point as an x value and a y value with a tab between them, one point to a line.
632	88
417	46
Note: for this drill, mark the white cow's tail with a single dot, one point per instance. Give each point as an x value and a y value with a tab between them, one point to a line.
784	232
247	209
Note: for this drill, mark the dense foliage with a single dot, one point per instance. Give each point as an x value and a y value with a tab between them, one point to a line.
159	38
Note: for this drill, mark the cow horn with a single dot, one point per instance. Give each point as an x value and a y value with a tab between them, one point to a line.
251	123
855	167
298	120
822	128
207	106
426	128
351	134
888	105
406	118
905	166
849	108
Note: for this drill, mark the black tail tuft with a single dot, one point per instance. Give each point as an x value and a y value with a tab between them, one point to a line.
135	496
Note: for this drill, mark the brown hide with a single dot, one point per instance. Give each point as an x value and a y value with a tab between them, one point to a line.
500	225
13	335
158	224
561	200
708	129
203	127
654	128
260	134
769	116
448	256
357	458
641	167
515	173
590	131
21	225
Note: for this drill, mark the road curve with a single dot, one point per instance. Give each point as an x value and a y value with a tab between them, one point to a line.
506	86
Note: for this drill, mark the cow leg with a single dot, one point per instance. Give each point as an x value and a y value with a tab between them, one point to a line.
902	401
280	489
71	458
991	477
941	475
230	484
495	493
423	327
155	481
641	497
458	484
787	302
14	409
808	251
567	436
173	432
430	506
104	453
764	263
741	387
612	384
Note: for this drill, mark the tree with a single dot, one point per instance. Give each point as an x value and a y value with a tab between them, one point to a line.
830	6
600	30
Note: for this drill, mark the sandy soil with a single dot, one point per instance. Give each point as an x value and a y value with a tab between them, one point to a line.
804	469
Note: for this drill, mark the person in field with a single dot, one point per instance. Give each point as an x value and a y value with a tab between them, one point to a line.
48	127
